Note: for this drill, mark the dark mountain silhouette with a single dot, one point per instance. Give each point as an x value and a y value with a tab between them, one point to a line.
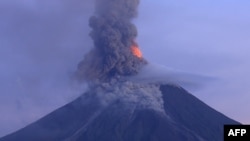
186	118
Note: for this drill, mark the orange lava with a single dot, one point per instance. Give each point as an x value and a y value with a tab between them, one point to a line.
136	51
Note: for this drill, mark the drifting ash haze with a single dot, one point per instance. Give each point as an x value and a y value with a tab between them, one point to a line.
155	73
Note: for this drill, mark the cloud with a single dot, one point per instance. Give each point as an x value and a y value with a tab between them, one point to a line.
132	94
155	73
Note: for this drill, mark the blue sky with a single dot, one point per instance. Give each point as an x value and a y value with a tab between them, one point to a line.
209	37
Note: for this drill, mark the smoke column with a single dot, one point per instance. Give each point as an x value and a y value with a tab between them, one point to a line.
113	34
116	55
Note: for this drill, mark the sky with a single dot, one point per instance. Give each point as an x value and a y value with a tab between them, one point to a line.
41	43
209	37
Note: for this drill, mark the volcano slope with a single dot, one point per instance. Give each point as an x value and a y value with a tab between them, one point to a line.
184	118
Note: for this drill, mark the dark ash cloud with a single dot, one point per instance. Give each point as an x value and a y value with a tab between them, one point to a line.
113	34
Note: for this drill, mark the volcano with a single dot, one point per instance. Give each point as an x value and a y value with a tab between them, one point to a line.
184	118
117	108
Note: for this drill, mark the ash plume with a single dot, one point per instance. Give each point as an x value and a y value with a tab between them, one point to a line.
133	95
113	34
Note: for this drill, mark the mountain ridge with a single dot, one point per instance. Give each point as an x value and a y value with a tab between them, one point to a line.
186	118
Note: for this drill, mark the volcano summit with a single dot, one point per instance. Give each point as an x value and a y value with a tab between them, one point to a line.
117	108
